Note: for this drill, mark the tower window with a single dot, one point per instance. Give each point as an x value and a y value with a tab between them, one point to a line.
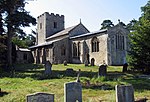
40	25
55	24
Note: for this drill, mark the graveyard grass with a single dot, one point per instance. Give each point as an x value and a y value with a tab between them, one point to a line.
28	79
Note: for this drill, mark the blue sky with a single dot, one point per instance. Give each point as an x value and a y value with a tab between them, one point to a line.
91	12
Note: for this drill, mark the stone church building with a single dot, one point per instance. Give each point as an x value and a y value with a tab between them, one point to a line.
76	44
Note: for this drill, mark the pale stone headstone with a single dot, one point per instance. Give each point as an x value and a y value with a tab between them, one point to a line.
40	97
72	92
86	63
65	63
124	93
102	70
48	67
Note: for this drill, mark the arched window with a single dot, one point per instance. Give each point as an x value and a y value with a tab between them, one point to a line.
47	52
79	49
95	44
120	42
74	50
63	50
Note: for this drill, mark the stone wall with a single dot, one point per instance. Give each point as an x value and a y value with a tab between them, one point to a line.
46	28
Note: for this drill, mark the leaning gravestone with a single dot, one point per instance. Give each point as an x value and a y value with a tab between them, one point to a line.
40	97
72	92
124	93
48	67
102	70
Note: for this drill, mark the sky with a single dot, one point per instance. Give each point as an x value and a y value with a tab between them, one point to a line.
91	12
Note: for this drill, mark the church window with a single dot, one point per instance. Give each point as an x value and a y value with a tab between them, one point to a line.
25	56
79	49
40	52
47	52
74	50
40	25
95	44
63	50
55	24
120	42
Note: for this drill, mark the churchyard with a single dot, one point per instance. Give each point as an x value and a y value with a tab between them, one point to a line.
29	79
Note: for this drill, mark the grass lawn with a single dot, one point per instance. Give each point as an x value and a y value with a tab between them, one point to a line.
30	79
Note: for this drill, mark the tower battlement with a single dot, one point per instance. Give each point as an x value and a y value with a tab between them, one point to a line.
48	25
52	15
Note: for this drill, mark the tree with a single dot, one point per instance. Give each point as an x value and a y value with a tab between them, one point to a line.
15	16
139	55
131	25
107	24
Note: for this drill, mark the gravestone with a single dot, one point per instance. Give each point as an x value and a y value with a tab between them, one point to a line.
92	62
65	63
86	63
48	67
124	93
40	97
125	67
102	70
72	92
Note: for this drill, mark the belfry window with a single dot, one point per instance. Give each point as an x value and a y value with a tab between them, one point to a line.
95	44
40	25
55	24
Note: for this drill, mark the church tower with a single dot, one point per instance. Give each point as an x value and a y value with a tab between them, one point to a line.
48	24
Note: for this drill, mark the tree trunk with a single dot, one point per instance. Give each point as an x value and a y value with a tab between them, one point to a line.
9	46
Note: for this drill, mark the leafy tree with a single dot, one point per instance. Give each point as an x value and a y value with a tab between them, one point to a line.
131	25
139	55
107	24
15	16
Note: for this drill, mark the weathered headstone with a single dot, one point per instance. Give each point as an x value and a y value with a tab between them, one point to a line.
40	97
48	67
124	93
92	62
102	70
72	92
65	63
86	63
78	76
125	67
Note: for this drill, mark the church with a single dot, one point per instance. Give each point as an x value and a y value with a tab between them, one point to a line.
76	44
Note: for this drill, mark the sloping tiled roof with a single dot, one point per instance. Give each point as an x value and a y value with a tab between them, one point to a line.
63	32
88	34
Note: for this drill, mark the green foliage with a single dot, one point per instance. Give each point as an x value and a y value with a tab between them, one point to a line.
29	78
15	17
139	55
107	24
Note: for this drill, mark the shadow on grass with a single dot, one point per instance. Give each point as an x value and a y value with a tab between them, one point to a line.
3	94
37	72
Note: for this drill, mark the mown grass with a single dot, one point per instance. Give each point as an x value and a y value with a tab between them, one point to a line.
28	79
